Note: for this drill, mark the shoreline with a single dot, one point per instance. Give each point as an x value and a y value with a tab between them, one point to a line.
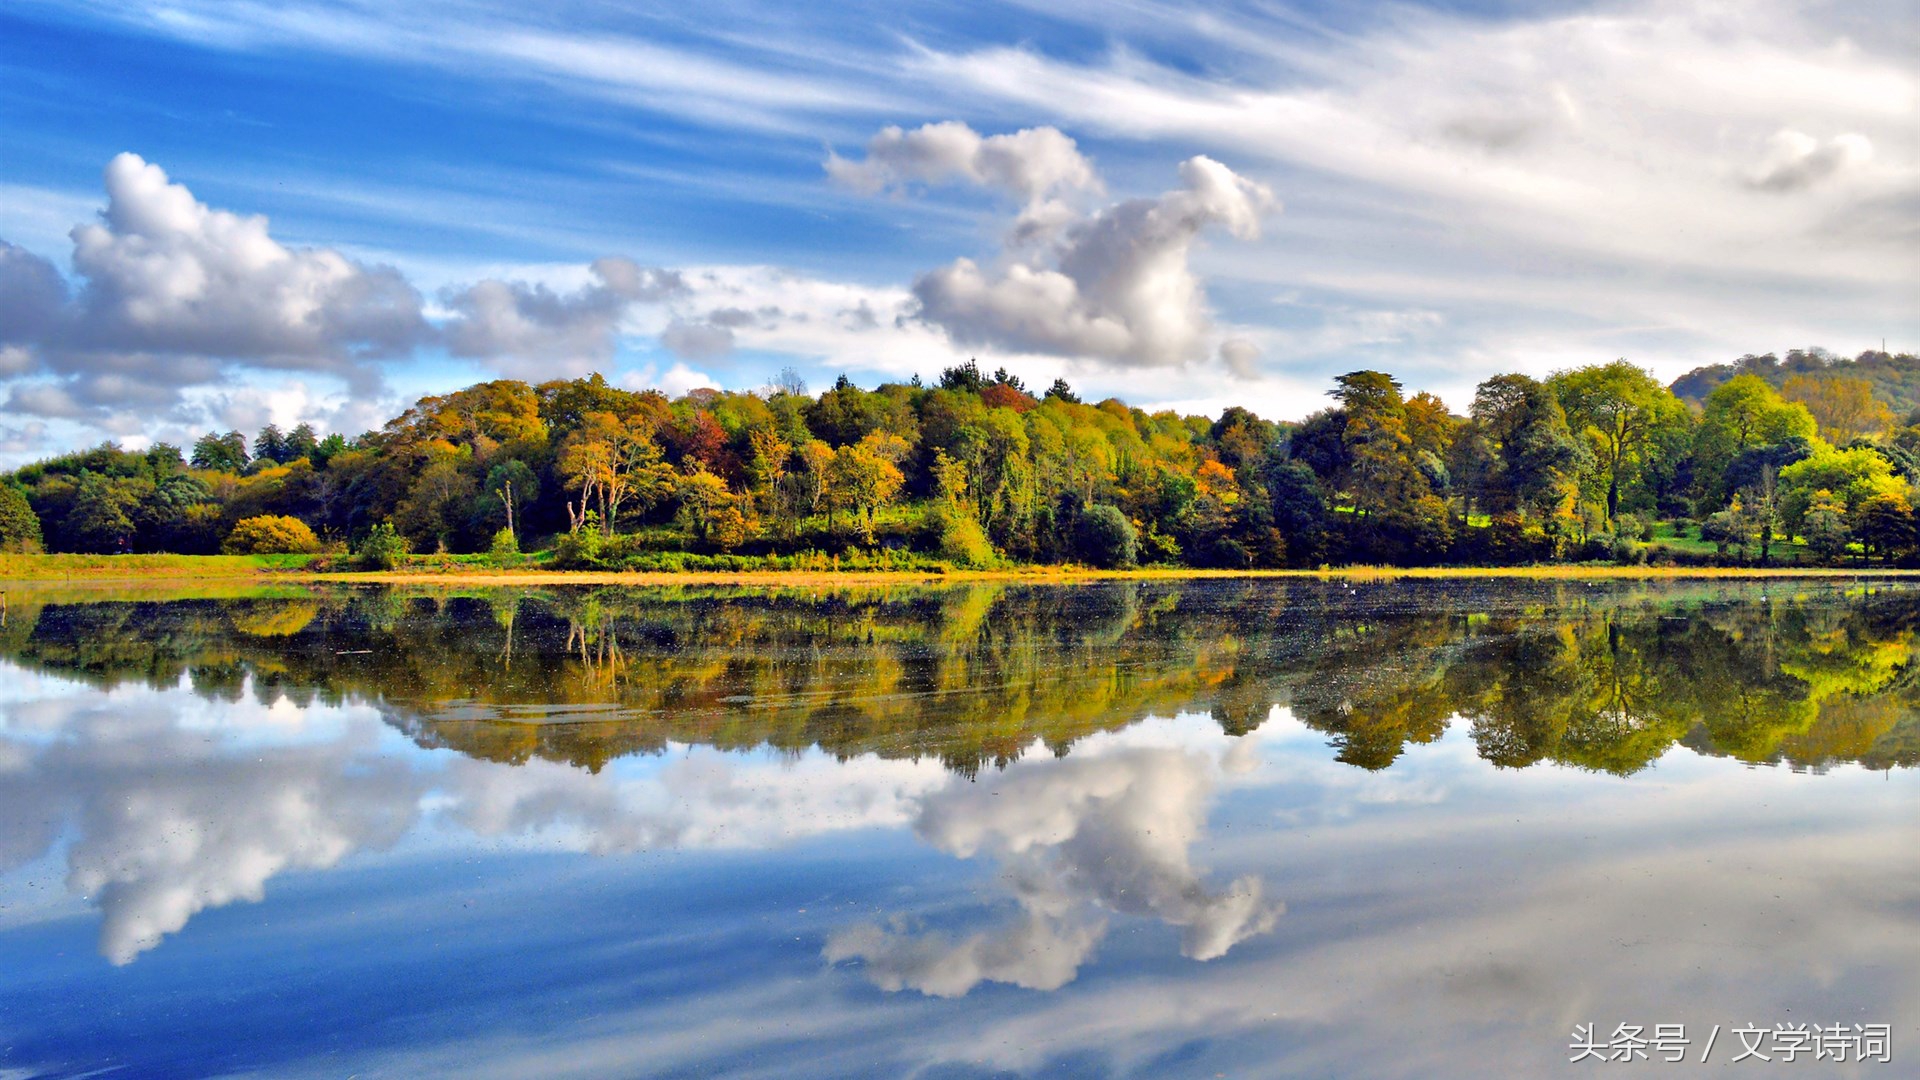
92	571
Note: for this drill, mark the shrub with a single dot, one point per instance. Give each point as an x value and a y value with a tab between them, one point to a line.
959	539
380	549
1106	538
270	534
505	546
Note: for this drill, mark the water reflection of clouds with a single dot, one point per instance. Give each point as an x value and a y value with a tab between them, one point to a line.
1463	938
1075	839
169	821
699	798
1434	910
176	804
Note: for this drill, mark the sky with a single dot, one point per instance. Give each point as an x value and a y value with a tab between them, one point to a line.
216	215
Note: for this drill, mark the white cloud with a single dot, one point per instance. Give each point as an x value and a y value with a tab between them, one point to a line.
531	331
1594	177
1116	285
1041	166
702	800
175	296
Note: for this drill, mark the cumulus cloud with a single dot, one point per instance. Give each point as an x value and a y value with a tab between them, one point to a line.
176	298
533	330
1076	839
173	294
165	273
1116	285
1795	160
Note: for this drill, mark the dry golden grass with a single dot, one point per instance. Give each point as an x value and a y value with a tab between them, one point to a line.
1048	575
107	574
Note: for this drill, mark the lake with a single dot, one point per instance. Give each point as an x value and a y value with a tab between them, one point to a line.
1291	828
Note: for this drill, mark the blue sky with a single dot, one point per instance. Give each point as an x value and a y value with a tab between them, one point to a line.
1211	205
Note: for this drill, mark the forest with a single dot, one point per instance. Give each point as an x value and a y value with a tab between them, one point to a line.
1811	461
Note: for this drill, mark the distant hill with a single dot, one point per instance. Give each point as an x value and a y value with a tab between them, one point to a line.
1895	377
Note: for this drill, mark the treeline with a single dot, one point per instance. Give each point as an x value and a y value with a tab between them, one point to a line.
977	469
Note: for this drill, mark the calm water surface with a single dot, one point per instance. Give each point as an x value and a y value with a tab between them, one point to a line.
1409	829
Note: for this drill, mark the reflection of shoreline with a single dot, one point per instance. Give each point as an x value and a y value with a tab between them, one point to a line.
1604	677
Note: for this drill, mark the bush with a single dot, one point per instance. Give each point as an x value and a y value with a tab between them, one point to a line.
1107	539
505	547
1627	552
959	539
270	534
380	550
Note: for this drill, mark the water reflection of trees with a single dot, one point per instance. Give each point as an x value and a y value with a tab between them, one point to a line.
1604	677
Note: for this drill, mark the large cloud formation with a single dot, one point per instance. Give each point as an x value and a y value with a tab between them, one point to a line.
1075	839
1115	285
175	295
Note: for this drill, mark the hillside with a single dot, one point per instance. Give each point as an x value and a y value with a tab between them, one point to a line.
1894	377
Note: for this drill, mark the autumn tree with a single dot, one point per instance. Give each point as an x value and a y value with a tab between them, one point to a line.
612	463
862	480
1844	408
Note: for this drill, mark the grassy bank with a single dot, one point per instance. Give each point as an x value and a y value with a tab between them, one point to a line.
101	570
144	567
1064	575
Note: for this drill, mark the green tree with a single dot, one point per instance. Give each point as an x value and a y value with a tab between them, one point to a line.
271	445
380	549
301	442
1627	418
221	453
19	525
1741	414
101	521
1531	458
1106	538
1825	526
